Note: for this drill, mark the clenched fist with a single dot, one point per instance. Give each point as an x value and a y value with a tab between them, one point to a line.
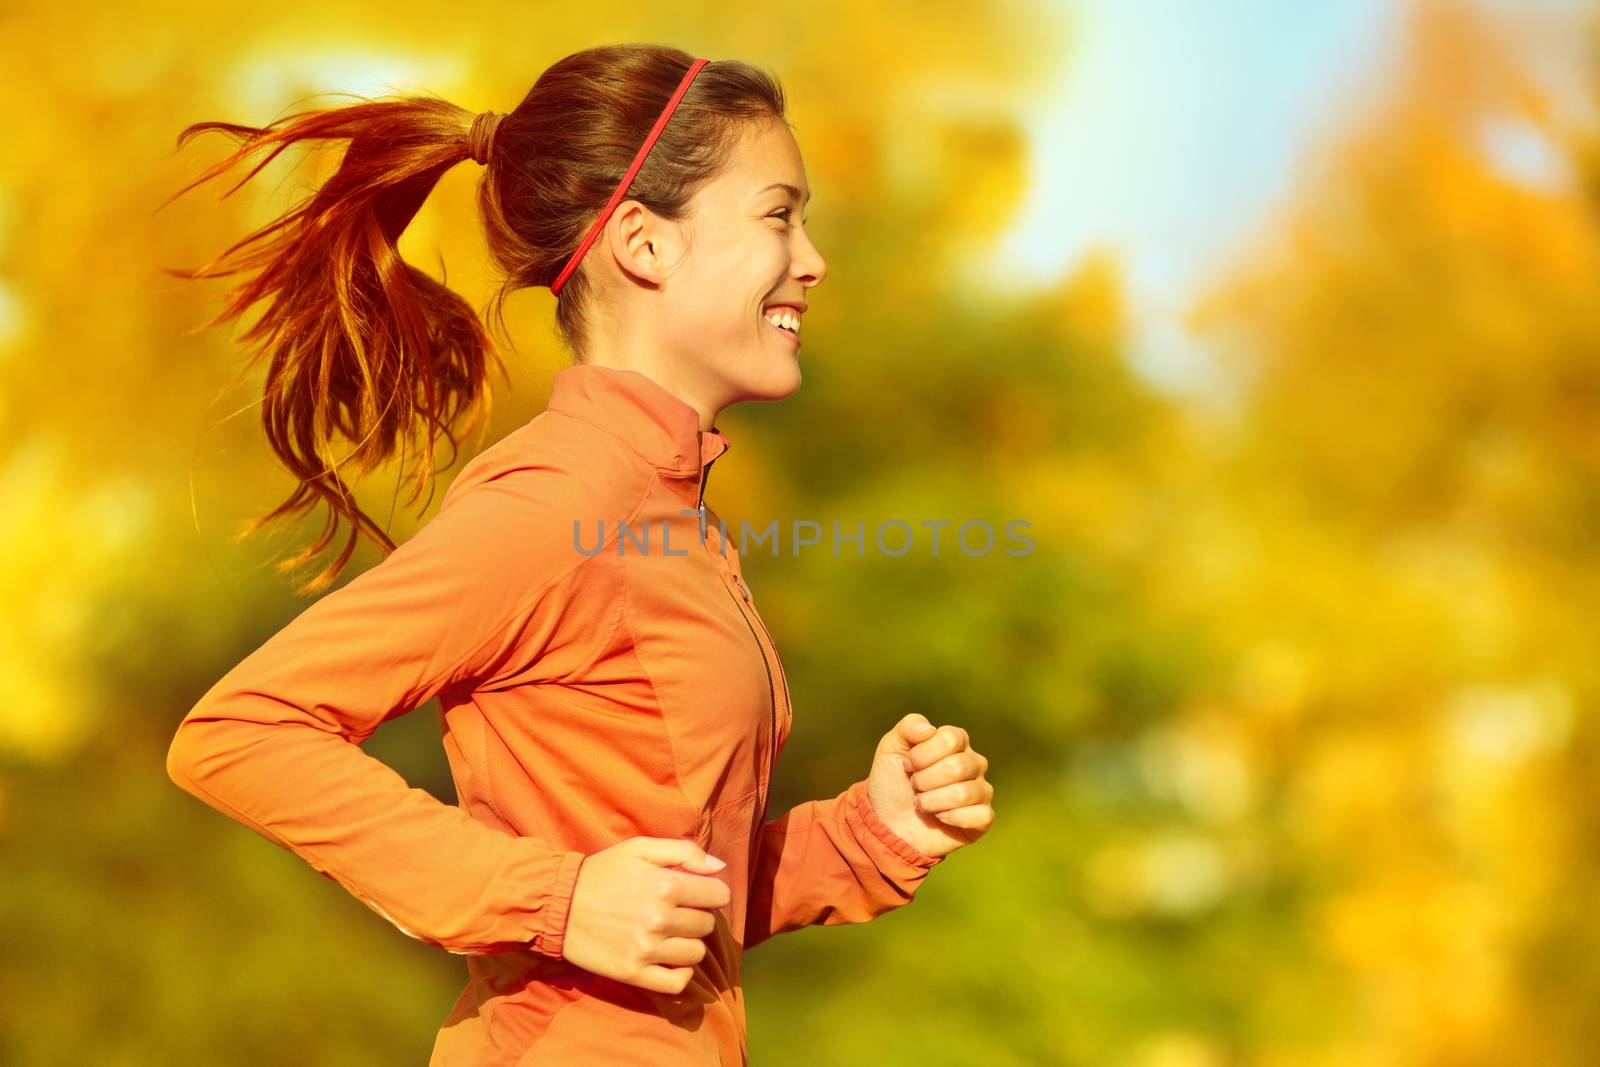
927	784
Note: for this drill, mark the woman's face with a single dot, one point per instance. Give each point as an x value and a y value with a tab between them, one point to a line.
701	328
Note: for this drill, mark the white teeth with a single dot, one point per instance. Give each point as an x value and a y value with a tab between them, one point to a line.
785	320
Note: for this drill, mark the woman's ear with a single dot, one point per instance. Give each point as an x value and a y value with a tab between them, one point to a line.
643	244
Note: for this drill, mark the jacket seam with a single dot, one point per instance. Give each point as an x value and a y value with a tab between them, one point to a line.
726	805
600	646
532	598
624	441
495	800
655	690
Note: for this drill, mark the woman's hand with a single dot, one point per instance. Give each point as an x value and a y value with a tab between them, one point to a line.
641	910
938	800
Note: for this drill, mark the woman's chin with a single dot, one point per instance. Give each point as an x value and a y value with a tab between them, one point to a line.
778	382
788	380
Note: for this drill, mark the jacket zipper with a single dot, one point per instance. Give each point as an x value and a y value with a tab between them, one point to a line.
772	703
772	695
781	677
705	473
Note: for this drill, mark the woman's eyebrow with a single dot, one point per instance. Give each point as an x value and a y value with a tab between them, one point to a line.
794	193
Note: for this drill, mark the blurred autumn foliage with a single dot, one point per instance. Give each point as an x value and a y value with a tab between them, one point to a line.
1291	712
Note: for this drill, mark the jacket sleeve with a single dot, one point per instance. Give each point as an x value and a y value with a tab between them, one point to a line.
828	862
275	744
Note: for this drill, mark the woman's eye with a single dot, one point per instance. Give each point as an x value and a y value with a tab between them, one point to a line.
783	211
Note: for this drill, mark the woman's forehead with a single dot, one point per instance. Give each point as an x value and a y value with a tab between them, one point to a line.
769	159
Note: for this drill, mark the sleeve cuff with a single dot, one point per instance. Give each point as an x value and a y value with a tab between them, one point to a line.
552	935
867	817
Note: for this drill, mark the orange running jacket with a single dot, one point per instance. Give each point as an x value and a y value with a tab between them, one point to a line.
587	697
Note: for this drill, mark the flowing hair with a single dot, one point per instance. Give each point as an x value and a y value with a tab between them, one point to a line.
363	346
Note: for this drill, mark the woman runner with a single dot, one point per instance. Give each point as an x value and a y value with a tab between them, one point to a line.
612	705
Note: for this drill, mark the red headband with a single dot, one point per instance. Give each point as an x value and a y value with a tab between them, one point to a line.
638	161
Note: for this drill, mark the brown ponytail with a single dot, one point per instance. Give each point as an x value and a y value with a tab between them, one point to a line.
367	346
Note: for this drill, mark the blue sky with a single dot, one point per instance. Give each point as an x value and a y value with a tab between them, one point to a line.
1172	130
1173	134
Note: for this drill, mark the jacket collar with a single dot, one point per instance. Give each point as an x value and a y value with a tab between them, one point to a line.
663	429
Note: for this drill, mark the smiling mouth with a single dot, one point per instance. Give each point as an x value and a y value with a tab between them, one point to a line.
789	335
